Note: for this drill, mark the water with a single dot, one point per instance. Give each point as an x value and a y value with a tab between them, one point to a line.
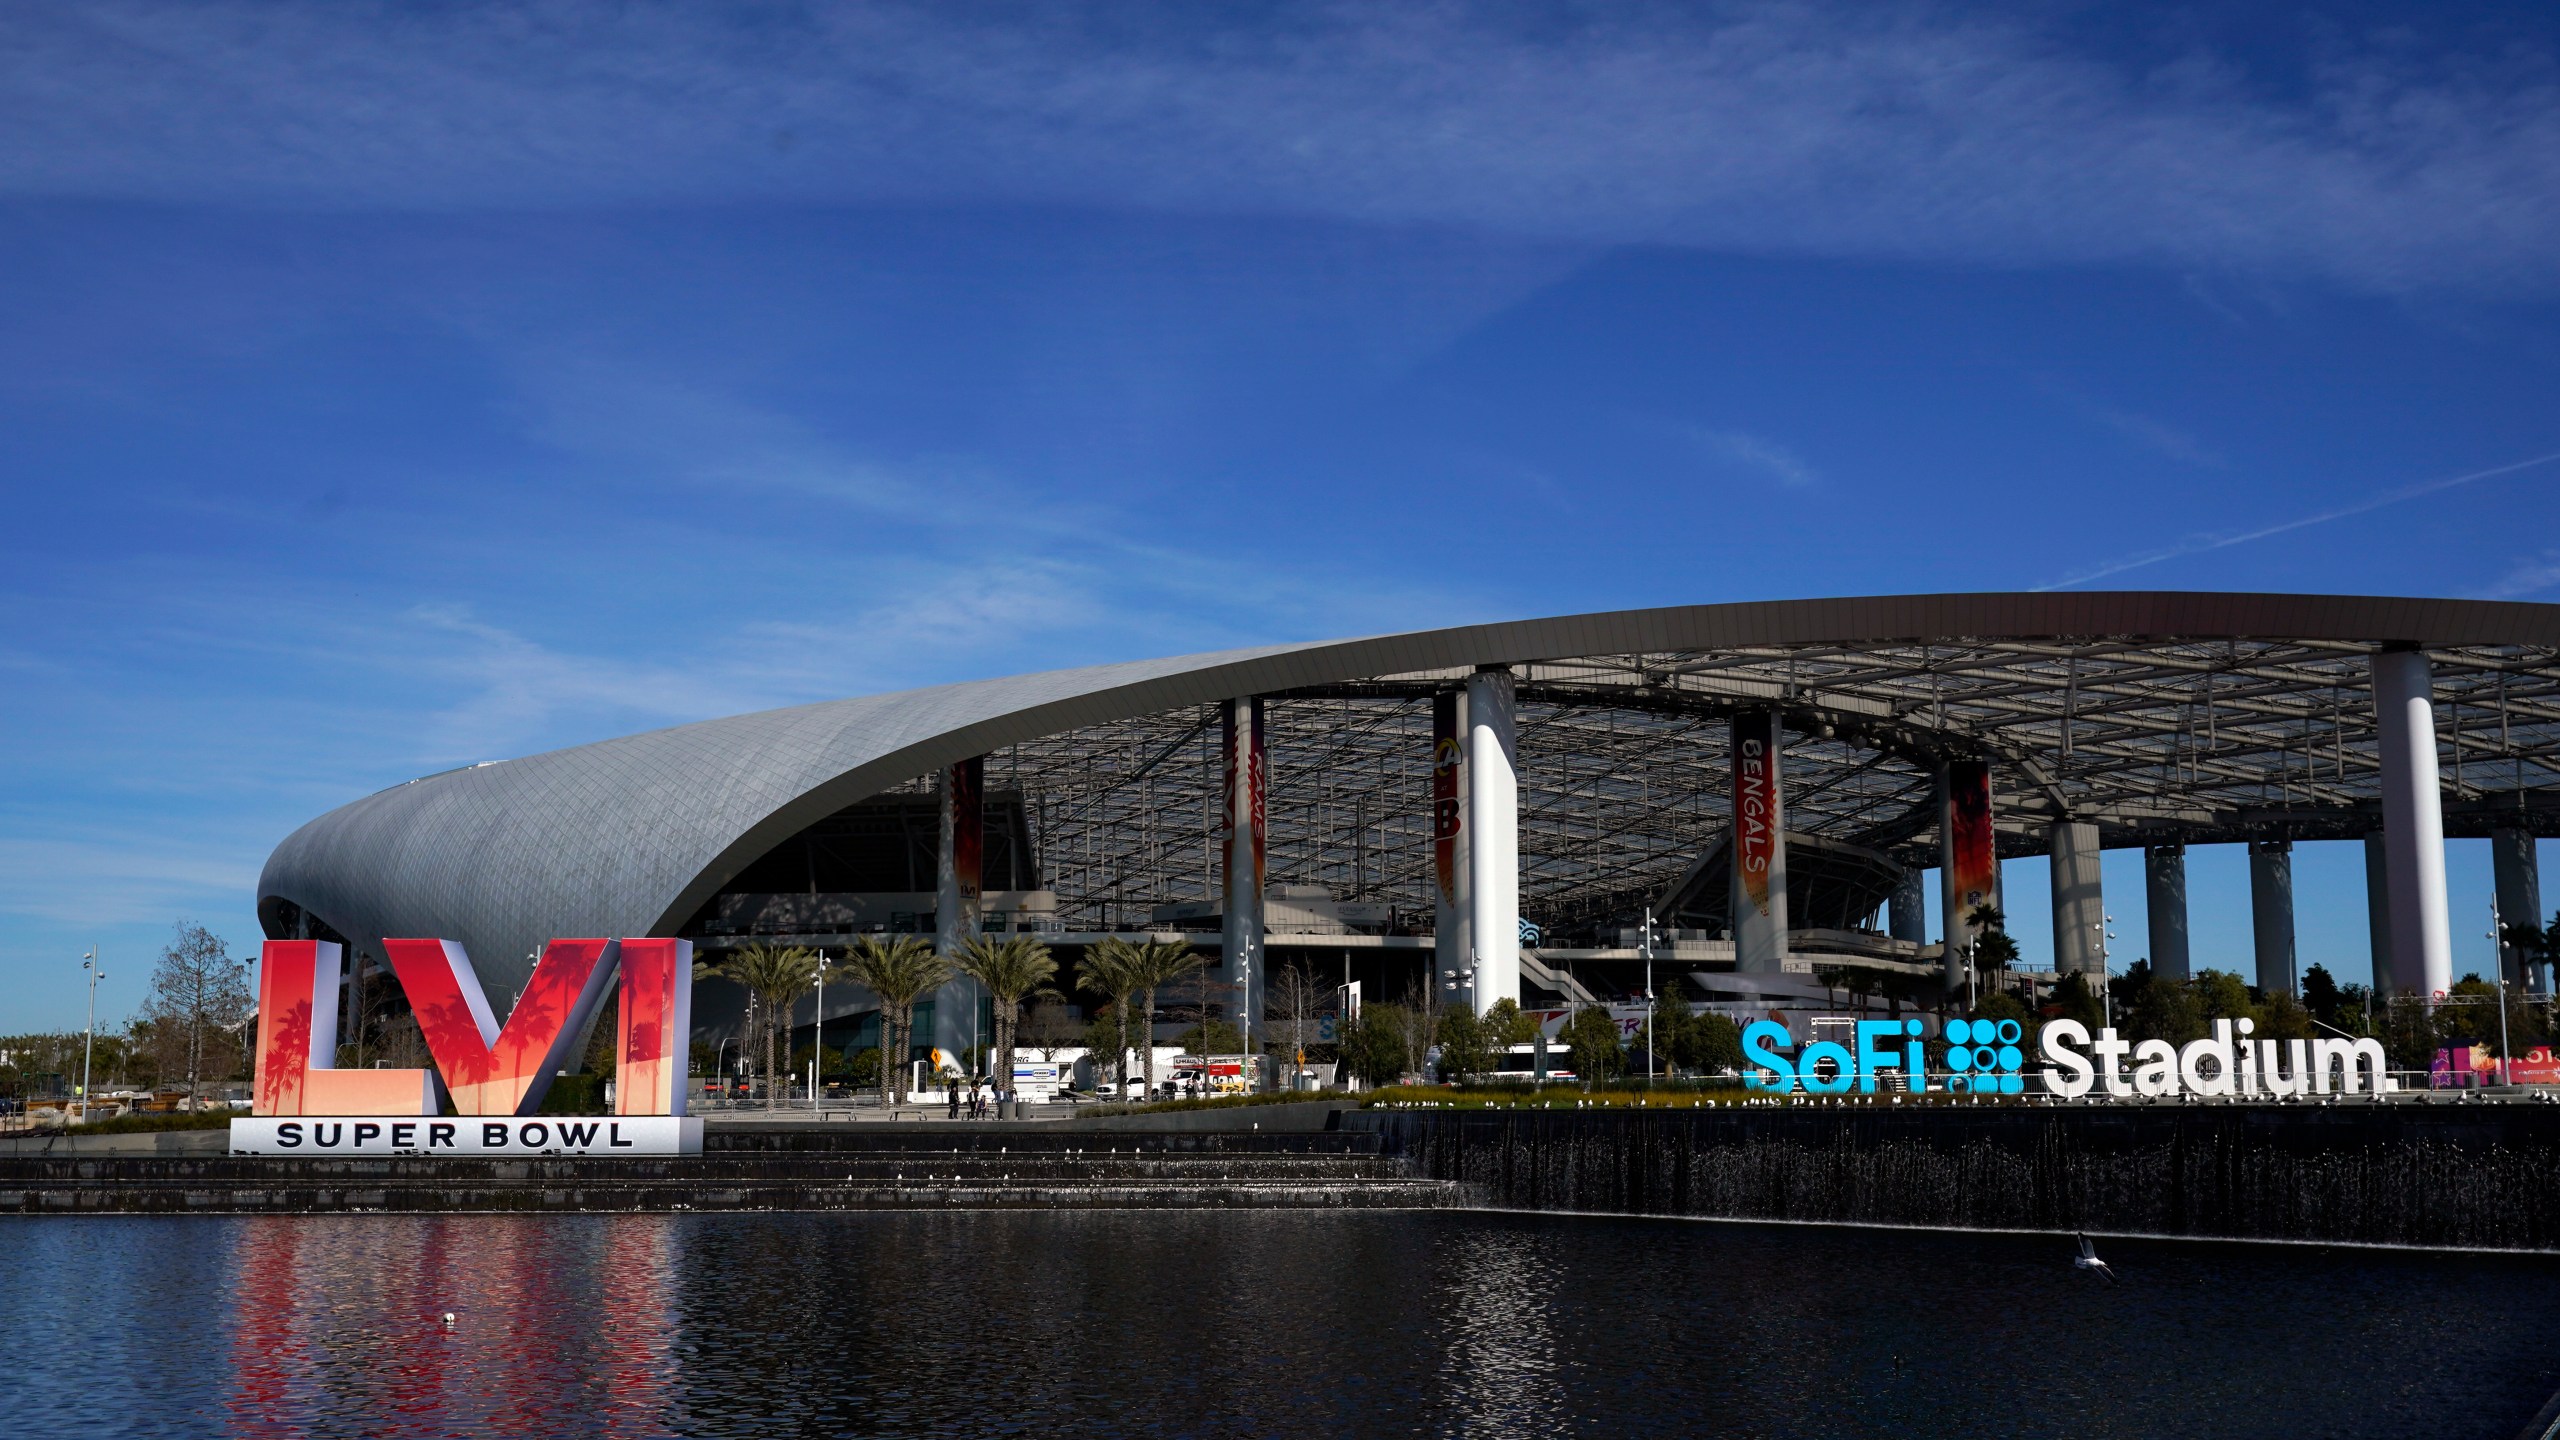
1240	1324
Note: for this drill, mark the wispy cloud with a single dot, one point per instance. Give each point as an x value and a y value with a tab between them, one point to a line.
2530	577
2151	434
1809	128
2203	542
1757	453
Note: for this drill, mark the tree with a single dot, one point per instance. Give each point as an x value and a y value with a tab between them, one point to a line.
2223	995
1372	1043
1506	1024
1048	1027
1110	970
1594	1041
900	972
1713	1045
1417	1029
198	994
1666	1028
1211	1036
1466	1046
1159	963
777	976
1012	969
2320	994
2166	1010
1296	999
2073	995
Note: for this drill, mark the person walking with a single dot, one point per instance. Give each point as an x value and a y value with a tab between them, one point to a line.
951	1090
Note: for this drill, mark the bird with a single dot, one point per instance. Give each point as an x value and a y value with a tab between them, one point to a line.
448	1319
2088	1260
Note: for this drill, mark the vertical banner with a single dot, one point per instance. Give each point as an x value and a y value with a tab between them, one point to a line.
1246	827
489	1070
1968	849
1448	762
967	786
298	1043
657	1027
1759	844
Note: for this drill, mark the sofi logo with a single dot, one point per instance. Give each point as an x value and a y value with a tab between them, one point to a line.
1983	1058
1827	1067
487	1068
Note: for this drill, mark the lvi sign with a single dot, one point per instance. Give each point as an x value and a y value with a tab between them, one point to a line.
493	1076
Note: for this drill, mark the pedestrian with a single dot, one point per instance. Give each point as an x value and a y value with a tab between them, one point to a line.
951	1091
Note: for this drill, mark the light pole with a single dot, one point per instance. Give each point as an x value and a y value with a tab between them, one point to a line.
89	1046
2106	977
818	1034
1653	1006
2500	950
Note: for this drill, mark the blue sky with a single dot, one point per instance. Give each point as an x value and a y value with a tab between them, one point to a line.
384	388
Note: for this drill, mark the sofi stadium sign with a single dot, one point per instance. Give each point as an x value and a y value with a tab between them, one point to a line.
1983	1057
485	1093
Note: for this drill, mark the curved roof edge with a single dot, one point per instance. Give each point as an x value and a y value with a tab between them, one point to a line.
632	835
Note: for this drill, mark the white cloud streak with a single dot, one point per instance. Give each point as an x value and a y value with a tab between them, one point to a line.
2203	543
1754	452
1809	128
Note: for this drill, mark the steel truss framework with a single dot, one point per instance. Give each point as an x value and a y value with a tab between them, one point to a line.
1624	768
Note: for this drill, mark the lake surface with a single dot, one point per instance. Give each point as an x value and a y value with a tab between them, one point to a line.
1240	1324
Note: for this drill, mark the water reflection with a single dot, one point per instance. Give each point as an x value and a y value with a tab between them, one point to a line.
1239	1324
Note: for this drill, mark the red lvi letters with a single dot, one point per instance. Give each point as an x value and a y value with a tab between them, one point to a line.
487	1069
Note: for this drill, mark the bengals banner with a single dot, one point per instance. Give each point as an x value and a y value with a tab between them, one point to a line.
1759	843
1248	789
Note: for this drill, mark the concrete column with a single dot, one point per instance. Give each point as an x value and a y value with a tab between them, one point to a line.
2079	904
1451	928
1759	848
1248	800
1968	855
958	874
2377	911
1493	834
2518	875
2164	893
2271	914
2413	823
1907	912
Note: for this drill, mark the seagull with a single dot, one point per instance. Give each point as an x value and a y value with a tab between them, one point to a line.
448	1319
2088	1259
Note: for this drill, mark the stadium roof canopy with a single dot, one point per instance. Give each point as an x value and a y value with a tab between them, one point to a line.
2160	717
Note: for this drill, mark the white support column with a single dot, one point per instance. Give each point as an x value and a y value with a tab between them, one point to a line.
1493	834
2518	876
2377	911
2413	823
958	874
1248	794
2079	901
2164	893
2271	915
1759	848
1452	926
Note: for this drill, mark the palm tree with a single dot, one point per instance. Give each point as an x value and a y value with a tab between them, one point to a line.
1159	963
1012	969
1110	970
900	972
777	976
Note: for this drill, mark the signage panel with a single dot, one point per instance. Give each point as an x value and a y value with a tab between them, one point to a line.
467	1135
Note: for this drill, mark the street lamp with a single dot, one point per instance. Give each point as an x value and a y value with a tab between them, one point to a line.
89	1046
818	1034
1653	1006
2497	941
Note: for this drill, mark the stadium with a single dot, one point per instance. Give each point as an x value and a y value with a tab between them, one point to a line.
1493	811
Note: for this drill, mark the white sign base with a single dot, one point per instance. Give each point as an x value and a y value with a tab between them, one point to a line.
598	1135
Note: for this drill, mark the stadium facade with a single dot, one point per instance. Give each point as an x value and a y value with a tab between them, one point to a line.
1489	811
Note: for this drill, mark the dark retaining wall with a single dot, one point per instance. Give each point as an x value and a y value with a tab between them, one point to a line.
2474	1175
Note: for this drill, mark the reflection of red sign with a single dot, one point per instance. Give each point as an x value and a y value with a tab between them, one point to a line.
1755	803
490	1070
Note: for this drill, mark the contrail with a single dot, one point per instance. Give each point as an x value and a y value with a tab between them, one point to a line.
2198	544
